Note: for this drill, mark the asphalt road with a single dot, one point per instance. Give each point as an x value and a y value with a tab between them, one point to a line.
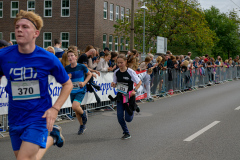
196	125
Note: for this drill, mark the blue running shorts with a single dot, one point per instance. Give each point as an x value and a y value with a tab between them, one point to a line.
77	97
35	133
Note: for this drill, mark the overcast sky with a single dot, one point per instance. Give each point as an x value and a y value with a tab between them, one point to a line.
223	5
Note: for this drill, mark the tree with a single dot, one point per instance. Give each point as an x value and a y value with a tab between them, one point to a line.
226	27
182	22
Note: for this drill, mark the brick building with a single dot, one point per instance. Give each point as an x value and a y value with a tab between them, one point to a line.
76	22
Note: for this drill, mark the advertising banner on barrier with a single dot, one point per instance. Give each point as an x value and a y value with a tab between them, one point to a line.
141	93
3	96
54	89
104	81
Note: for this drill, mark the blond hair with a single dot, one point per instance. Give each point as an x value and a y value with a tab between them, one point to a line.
185	63
150	55
50	47
150	70
159	59
32	17
64	60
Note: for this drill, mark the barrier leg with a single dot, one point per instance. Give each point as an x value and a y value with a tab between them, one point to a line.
2	126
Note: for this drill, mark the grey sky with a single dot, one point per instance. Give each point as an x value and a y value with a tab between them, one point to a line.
223	5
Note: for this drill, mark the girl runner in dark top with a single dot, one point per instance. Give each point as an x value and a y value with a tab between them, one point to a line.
123	79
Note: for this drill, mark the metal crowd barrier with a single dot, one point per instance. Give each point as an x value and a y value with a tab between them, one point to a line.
69	113
3	124
166	82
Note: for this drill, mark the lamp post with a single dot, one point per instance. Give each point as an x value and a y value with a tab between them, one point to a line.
132	27
145	8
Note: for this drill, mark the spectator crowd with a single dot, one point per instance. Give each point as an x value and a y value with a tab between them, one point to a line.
105	61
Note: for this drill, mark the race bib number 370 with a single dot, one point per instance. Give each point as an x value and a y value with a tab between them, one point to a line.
24	90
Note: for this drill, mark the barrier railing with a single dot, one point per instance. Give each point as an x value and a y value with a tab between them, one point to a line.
3	124
167	82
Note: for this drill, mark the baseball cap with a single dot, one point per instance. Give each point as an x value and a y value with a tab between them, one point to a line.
4	43
205	60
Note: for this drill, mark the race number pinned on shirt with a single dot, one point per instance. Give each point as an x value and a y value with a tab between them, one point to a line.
76	85
122	88
24	90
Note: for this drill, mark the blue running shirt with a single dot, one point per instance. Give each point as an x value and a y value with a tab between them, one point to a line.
27	105
78	75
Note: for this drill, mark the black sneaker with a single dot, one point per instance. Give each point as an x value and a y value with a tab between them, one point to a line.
82	129
137	109
126	136
84	117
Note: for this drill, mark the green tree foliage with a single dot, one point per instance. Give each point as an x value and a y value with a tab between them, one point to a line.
182	22
226	27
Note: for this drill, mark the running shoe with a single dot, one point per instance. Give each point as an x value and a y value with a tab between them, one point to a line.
70	116
150	100
84	117
126	136
89	111
137	109
108	109
81	129
57	133
58	119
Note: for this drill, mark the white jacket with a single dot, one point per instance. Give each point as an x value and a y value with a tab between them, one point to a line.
102	65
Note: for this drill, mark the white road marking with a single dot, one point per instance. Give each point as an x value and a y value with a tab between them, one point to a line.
238	108
195	135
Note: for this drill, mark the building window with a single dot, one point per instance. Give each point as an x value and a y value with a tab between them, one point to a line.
122	44
65	11
110	42
127	14
1	36
14	8
111	12
116	44
105	10
47	39
122	13
65	39
126	45
12	38
104	40
31	6
47	8
1	9
117	13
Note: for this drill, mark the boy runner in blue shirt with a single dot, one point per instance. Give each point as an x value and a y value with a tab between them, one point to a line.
26	67
77	74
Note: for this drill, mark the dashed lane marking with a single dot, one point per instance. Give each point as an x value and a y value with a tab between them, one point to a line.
238	108
195	135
